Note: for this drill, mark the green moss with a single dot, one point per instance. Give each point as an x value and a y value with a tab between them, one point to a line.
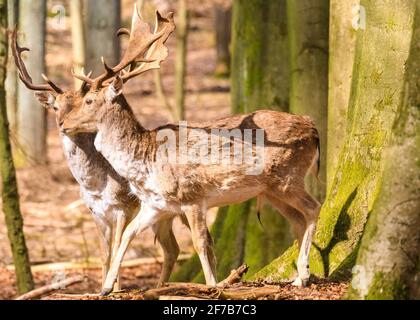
281	269
384	286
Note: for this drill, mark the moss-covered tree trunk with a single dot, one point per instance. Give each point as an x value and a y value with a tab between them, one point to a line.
341	59
260	79
308	35
378	86
10	196
390	248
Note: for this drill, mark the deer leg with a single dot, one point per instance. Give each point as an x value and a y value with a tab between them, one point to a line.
202	241
309	208
145	219
166	238
293	216
105	239
120	225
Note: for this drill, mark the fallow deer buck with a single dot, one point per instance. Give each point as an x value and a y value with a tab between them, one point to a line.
166	189
104	192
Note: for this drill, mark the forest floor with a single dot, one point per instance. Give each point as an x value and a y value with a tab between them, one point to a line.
58	227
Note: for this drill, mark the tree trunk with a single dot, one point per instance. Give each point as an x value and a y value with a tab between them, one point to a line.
223	27
11	79
181	57
378	85
10	195
389	252
308	34
342	46
260	77
78	38
32	122
103	19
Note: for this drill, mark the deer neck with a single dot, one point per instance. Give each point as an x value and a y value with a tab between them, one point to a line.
121	139
87	166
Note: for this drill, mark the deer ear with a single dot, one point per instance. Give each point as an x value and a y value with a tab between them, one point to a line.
46	99
115	89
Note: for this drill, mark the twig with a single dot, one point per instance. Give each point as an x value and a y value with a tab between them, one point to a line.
51	287
234	277
160	92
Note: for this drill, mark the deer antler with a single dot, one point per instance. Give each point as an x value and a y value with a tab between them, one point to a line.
23	72
157	52
143	47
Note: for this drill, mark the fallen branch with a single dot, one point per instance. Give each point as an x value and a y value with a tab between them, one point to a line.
51	287
234	277
201	291
96	264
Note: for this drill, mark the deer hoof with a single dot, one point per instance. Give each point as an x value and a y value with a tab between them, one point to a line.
301	283
105	292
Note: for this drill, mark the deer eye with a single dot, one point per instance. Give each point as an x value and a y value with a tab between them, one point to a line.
89	102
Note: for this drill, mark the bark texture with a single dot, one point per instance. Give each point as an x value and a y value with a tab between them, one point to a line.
32	122
260	77
181	58
11	79
9	191
308	35
342	47
378	86
223	27
389	252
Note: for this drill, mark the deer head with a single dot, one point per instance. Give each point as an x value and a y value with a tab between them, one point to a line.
146	50
50	95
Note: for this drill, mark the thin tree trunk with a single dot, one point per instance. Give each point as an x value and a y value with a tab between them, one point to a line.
378	85
11	79
308	33
223	27
103	19
181	57
390	249
260	77
78	37
342	47
32	122
10	195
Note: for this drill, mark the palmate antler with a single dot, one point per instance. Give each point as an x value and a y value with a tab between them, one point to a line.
144	48
24	74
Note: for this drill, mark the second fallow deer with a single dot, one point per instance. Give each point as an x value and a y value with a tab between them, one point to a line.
290	150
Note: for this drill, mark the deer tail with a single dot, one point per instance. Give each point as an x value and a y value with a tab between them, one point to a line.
316	163
260	205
